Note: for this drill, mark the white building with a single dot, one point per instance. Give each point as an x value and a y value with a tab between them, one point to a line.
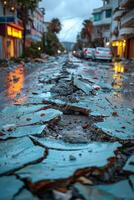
102	21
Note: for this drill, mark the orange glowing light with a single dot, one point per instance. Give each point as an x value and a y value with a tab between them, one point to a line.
15	82
117	77
118	68
14	32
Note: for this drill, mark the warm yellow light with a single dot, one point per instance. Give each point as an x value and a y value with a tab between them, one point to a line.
124	44
121	44
9	30
117	43
15	87
39	48
118	68
14	32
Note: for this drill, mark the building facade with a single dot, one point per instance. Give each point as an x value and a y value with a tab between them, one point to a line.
102	18
35	27
122	28
11	31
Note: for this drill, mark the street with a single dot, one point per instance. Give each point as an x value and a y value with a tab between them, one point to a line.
67	130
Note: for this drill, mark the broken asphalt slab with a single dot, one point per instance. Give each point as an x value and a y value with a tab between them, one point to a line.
117	191
85	87
129	166
12	188
25	195
40	117
53	167
23	131
17	153
118	125
9	187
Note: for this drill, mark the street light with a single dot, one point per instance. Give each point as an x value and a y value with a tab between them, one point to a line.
5	3
12	8
59	51
39	48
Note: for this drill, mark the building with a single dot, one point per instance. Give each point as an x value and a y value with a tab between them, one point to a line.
102	22
122	28
11	31
35	27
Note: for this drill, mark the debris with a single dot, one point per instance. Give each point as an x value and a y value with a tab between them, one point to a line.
9	127
115	114
71	157
84	180
53	167
129	166
120	190
85	87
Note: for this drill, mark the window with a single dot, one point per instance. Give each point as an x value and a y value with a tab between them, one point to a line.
108	13
97	17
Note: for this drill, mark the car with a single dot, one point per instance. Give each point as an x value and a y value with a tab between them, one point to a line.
102	53
77	53
88	53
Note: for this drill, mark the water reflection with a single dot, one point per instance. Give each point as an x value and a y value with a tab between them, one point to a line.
15	83
118	68
117	76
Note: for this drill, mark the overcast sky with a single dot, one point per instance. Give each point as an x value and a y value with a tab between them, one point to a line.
71	14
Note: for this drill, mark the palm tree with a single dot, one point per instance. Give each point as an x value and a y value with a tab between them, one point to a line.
87	31
55	25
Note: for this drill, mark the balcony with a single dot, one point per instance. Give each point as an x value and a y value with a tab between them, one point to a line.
128	19
117	15
103	22
127	32
127	3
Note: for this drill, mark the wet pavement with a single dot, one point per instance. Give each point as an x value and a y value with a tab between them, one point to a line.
67	130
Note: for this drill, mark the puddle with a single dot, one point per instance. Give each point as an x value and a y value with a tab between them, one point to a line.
15	82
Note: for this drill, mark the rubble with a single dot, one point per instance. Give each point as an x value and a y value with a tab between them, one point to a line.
72	137
120	190
52	168
129	166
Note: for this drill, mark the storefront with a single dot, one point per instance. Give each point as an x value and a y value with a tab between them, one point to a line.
11	40
119	48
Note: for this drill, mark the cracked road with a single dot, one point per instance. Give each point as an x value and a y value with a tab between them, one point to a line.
67	130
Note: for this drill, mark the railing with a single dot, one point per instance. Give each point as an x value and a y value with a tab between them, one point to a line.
128	18
126	31
118	14
106	21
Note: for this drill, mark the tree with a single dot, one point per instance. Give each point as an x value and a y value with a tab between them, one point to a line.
55	26
52	42
24	6
86	32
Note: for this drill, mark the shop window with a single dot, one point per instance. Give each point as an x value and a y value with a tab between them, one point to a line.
108	13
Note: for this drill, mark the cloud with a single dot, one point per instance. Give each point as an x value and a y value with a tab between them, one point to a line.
71	14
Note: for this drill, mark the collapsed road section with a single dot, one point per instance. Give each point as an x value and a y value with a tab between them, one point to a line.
73	136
